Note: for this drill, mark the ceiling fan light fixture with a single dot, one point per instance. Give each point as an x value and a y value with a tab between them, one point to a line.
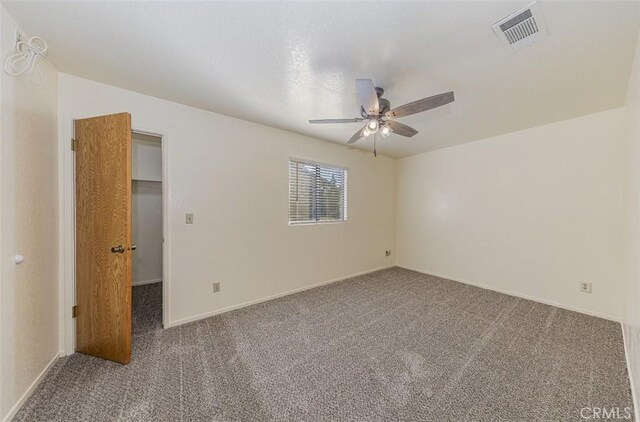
366	132
373	125
385	131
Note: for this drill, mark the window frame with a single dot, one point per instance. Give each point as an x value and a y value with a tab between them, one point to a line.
345	193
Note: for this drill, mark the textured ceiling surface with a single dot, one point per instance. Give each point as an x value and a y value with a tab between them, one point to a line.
282	63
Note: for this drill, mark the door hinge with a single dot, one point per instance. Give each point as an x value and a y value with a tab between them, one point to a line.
73	145
74	311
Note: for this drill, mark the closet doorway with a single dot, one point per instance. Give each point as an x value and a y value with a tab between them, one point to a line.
115	284
146	207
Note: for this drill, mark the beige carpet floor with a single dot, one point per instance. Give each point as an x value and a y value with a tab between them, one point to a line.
394	345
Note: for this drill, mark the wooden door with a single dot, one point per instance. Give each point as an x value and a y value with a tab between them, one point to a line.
103	236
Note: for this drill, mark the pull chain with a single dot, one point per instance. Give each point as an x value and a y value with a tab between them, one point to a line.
375	138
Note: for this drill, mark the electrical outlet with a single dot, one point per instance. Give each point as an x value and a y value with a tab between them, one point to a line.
189	219
388	253
585	287
216	287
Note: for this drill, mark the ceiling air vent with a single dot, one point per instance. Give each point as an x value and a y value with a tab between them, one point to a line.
524	27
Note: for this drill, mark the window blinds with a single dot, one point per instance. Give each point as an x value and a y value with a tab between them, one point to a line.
317	193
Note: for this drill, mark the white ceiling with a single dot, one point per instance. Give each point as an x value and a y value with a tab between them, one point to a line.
282	63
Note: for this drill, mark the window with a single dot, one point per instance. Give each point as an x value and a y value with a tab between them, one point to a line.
317	193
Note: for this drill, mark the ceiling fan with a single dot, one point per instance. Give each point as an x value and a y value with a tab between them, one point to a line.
377	112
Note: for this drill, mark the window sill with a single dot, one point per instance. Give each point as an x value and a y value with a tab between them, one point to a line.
315	223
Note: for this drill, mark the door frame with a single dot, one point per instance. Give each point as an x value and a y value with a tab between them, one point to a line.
67	229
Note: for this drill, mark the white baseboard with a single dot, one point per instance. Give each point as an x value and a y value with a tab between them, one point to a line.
512	293
267	298
30	390
630	373
143	282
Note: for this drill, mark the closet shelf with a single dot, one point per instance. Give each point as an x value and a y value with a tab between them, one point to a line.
146	180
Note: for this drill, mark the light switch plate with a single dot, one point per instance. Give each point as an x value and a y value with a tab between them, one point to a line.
189	219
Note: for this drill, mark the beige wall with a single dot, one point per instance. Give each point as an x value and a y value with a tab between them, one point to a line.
233	176
146	158
28	226
146	203
532	213
632	287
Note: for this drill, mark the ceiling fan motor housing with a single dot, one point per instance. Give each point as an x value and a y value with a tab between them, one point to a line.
385	106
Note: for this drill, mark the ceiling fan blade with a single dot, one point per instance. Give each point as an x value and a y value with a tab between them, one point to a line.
422	105
368	97
354	120
401	129
356	136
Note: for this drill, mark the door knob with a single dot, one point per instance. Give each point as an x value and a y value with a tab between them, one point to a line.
117	249
133	247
